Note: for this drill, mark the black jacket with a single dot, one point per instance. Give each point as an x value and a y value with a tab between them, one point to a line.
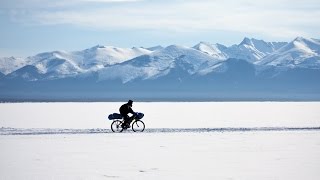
125	110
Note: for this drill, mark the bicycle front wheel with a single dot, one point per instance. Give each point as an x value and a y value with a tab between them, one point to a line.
116	126
138	126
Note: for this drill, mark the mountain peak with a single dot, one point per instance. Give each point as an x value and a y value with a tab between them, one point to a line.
155	48
252	41
301	52
204	43
299	38
246	41
136	48
95	48
174	48
214	50
98	46
306	41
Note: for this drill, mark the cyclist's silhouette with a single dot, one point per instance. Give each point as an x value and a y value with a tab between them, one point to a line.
125	109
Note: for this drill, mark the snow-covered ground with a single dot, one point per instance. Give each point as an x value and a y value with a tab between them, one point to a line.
227	140
214	155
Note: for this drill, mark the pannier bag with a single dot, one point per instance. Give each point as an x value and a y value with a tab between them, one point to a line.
114	116
139	115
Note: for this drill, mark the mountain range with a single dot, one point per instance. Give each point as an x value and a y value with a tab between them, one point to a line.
252	70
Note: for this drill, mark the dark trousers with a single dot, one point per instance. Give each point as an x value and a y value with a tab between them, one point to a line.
127	119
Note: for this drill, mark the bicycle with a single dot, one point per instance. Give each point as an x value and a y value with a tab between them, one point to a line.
136	124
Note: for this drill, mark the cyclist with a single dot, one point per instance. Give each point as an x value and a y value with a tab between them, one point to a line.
125	109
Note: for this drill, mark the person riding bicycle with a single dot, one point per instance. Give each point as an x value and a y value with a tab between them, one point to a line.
125	109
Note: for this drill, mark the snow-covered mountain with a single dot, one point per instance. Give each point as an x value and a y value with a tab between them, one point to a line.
301	52
253	50
146	63
161	63
61	64
10	64
251	66
215	50
102	56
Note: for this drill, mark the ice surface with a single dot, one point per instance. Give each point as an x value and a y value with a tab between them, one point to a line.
163	114
213	155
204	140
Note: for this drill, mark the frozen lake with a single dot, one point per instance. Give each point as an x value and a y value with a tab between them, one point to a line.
205	140
163	114
289	155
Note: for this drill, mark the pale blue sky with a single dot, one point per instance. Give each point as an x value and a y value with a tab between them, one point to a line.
29	27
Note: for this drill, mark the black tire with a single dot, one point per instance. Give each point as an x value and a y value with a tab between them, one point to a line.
116	126
138	126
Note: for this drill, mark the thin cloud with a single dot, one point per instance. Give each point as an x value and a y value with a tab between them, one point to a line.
109	1
282	18
44	4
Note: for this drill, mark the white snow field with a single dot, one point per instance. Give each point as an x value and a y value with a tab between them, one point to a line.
183	140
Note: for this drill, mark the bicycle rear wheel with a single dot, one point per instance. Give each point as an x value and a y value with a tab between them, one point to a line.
138	126
116	126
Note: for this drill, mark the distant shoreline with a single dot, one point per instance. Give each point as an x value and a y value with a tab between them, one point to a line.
152	100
